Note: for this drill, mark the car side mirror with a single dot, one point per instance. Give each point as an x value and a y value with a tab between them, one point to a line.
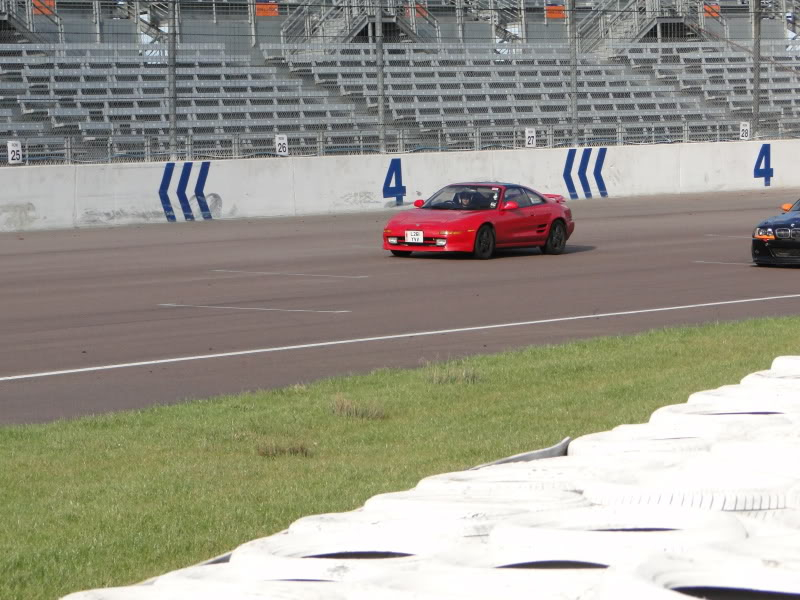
786	207
419	203
511	205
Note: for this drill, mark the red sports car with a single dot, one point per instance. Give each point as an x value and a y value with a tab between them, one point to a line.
479	217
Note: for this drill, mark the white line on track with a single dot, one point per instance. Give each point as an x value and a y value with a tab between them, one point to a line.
714	262
398	336
253	308
289	274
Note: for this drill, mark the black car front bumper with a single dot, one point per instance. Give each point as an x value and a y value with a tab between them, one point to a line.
776	252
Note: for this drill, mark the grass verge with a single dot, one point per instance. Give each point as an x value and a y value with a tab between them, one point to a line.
115	499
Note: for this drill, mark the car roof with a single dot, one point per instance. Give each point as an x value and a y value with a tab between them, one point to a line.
492	183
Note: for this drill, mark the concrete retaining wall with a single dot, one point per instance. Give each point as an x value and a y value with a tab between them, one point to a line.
123	194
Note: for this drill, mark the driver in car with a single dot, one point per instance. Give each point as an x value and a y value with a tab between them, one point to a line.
463	199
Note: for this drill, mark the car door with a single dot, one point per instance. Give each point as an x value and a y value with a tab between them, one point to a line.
541	214
517	223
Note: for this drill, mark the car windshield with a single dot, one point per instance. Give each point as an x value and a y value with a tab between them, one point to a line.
464	197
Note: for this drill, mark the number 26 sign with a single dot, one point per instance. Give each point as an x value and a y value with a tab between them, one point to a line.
281	145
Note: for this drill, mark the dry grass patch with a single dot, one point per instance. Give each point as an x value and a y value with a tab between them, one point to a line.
276	450
344	407
453	373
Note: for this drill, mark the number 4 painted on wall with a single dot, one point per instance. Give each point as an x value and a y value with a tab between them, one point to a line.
763	168
398	190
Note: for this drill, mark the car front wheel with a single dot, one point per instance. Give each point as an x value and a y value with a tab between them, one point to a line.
484	243
557	240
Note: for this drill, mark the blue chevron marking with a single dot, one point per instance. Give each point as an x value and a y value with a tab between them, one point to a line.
568	174
587	154
598	172
182	183
163	191
199	190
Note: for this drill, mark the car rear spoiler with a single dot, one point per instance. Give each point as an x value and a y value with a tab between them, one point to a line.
557	197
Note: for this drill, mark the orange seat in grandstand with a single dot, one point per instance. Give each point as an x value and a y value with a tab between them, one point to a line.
421	11
266	9
44	7
711	10
555	11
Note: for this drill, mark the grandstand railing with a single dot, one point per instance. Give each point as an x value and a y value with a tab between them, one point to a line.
119	149
346	18
613	21
21	16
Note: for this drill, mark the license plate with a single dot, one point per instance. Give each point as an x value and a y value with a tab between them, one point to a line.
413	237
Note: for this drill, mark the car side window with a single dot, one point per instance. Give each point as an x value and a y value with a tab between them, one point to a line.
510	195
535	198
519	196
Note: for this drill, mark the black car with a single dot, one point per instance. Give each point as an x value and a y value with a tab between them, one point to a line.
776	240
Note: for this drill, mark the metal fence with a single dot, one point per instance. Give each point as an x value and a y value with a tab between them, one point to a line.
49	151
101	81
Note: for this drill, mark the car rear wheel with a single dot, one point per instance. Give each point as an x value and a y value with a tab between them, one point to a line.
401	252
484	243
557	240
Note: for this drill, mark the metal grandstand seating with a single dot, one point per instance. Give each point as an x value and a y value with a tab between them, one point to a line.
330	89
90	89
473	86
722	76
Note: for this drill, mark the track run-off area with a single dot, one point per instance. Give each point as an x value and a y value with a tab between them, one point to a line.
98	320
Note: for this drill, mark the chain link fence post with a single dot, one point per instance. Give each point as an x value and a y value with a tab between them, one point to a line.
754	128
171	79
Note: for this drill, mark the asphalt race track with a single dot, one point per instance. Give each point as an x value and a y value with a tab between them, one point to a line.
267	303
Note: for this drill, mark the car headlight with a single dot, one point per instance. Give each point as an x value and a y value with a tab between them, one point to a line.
764	233
392	240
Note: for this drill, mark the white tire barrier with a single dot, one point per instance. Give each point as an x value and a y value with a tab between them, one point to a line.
769	382
466	519
743	393
356	544
622	585
778	433
752	568
252	557
255	568
778	456
606	536
466	500
728	412
786	364
705	483
640	438
245	590
561	473
480	583
770	523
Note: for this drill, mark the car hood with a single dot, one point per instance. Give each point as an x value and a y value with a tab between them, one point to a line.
789	219
423	217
